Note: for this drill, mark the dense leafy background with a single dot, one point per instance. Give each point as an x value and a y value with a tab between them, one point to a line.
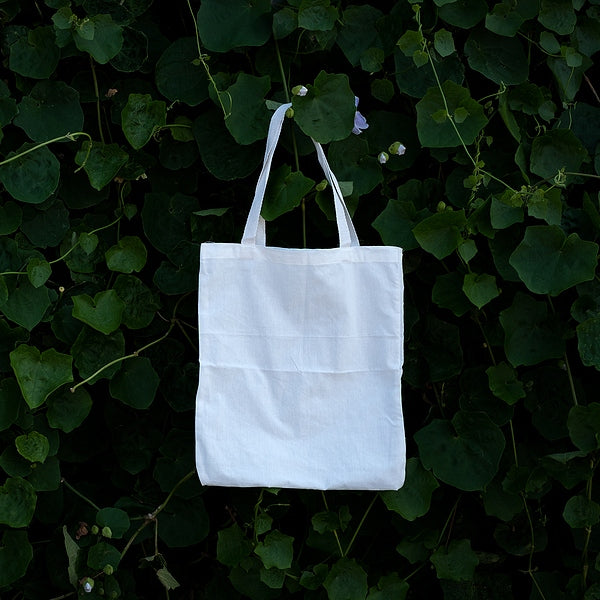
132	132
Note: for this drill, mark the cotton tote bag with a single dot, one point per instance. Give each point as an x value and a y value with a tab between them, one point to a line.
301	353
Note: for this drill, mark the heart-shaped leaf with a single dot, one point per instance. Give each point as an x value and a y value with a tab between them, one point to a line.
141	117
39	374
100	161
15	555
33	446
549	262
414	498
457	562
32	176
103	312
17	503
465	452
276	550
127	255
326	112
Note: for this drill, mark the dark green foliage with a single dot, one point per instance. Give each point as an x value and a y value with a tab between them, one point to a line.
132	132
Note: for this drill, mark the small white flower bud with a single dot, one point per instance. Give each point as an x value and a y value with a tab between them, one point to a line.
397	148
383	157
299	90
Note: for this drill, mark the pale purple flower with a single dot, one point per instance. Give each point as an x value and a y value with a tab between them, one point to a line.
360	123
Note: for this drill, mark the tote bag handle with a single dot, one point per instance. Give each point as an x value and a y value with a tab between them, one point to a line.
254	232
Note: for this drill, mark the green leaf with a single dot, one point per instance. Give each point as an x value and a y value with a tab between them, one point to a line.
68	410
276	550
140	302
17	503
103	312
173	226
165	577
73	554
414	498
443	42
179	75
558	15
464	453
105	41
134	51
359	31
500	59
249	117
39	374
549	262
10	402
127	255
223	27
10	217
457	562
436	133
35	55
463	13
415	82
116	519
33	446
50	110
46	225
448	293
441	233
232	546
584	426
555	150
505	19
219	152
136	383
284	192
15	555
184	523
38	271
346	581
546	206
581	512
316	15
326	112
530	337
30	177
480	288
389	587
588	342
141	118
102	554
504	383
101	162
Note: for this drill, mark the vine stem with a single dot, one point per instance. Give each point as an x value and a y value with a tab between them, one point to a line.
335	533
62	257
66	136
286	91
203	62
133	354
97	92
151	517
588	531
364	517
449	116
78	493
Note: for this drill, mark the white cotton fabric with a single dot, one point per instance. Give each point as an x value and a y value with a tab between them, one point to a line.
301	354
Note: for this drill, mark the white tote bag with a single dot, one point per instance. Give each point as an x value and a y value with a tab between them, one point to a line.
301	355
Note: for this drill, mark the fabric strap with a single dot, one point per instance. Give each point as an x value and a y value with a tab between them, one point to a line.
254	232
